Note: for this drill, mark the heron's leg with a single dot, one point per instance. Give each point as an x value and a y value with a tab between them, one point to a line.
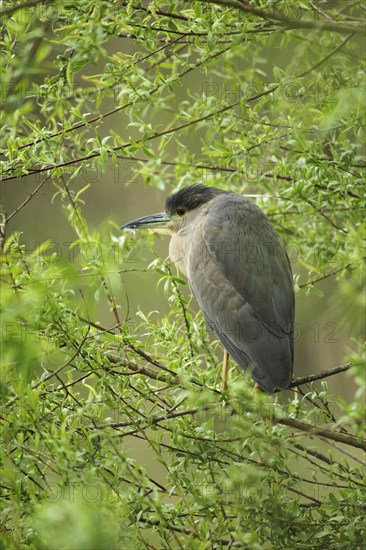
267	411
224	375
225	370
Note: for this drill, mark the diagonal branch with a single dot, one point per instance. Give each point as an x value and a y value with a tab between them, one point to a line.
30	196
285	22
12	9
331	274
312	429
319	376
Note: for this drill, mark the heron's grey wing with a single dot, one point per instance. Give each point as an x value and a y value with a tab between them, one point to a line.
241	278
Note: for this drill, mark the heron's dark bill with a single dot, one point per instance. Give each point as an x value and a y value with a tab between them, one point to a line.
154	222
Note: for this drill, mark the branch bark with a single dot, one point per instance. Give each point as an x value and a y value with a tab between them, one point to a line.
32	3
320	376
277	17
312	429
137	369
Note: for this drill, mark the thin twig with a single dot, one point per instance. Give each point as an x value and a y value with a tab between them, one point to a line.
325	276
152	421
137	369
52	373
31	195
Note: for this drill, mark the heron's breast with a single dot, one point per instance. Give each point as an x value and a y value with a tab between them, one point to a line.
178	252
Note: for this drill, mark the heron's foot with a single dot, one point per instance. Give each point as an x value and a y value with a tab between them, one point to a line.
223	388
257	390
224	385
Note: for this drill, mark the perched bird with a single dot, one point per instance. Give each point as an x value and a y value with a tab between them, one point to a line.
240	274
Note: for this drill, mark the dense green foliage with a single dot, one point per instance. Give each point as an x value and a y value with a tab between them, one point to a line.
243	96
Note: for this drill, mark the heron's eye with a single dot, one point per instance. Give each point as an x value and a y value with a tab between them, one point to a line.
181	211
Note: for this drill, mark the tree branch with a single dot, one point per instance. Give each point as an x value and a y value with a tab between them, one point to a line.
44	379
312	429
137	369
161	377
12	9
289	24
31	195
319	376
325	276
142	425
103	116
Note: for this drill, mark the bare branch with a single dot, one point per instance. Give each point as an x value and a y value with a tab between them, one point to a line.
320	376
289	24
153	420
51	373
137	369
312	429
31	195
325	276
12	9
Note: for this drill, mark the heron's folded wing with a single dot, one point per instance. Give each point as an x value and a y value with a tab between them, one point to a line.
241	277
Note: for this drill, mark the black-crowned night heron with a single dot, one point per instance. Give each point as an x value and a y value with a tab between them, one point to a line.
239	272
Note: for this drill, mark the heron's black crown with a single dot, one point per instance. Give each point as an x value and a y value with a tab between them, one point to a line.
189	198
